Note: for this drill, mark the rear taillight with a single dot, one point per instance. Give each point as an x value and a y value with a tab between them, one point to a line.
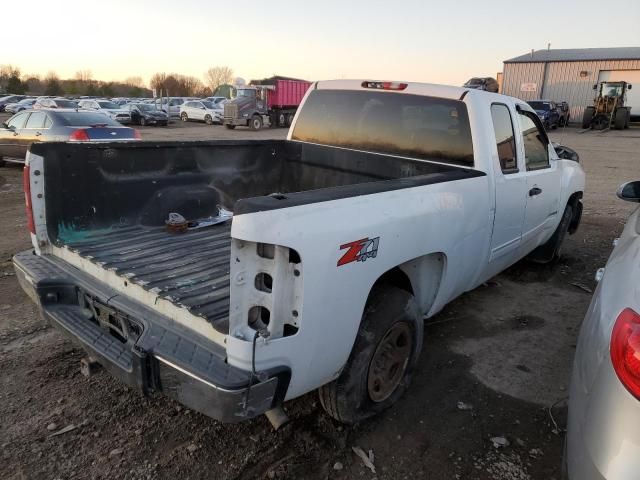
79	135
136	134
625	350
26	184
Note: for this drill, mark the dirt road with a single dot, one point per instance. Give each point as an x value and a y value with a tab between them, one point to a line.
495	363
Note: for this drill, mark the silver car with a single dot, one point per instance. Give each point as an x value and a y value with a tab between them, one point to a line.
201	110
603	434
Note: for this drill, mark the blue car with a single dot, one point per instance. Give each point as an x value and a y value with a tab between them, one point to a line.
20	131
547	111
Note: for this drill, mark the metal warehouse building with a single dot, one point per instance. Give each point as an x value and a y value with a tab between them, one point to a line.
569	75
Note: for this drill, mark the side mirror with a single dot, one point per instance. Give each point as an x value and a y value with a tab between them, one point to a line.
629	87
566	153
595	87
4	125
629	191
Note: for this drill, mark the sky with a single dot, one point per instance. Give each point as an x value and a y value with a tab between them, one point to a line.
415	40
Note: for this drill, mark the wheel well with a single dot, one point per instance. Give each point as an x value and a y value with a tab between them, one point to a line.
397	278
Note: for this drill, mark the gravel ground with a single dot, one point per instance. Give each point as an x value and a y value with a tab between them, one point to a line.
488	399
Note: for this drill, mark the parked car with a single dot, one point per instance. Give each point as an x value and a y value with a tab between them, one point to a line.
217	100
170	105
547	111
565	114
54	102
201	110
488	84
603	441
108	108
395	199
146	114
6	100
24	104
34	126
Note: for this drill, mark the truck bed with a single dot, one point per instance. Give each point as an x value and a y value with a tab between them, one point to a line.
189	269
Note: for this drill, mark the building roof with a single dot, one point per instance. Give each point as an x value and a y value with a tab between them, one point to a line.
578	55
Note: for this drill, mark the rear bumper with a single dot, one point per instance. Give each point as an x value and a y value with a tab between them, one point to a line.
164	358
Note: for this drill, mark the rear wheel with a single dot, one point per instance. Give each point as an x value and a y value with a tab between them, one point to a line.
382	360
550	250
620	119
282	120
587	118
208	120
184	117
289	119
256	122
230	127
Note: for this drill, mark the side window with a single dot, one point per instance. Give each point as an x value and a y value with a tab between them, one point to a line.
18	120
47	122
505	138
36	120
536	151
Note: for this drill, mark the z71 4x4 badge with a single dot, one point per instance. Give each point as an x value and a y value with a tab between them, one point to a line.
359	250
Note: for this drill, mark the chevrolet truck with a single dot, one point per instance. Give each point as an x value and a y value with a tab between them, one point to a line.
234	276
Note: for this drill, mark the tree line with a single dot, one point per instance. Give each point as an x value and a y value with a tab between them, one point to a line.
83	83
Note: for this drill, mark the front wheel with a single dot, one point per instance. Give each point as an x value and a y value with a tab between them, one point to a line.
382	360
208	120
550	250
143	122
587	118
184	117
256	122
620	119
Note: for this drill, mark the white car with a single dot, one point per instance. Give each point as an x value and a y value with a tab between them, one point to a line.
109	108
201	110
236	275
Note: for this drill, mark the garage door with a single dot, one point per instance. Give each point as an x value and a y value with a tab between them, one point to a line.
631	76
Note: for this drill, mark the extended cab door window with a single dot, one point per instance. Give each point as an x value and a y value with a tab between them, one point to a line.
536	143
505	138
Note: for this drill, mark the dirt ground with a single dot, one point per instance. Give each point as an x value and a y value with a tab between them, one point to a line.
495	363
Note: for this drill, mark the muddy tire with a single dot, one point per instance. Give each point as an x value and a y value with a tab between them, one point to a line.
620	119
587	118
550	250
256	122
381	363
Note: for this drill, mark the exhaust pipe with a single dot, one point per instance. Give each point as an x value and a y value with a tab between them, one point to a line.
277	417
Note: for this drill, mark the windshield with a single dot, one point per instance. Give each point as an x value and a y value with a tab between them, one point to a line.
414	126
86	119
66	104
246	92
27	101
110	105
611	89
540	105
475	81
208	104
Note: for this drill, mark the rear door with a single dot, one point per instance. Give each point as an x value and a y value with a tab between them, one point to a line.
543	182
510	185
10	139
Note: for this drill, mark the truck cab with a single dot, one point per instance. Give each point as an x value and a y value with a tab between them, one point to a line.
248	108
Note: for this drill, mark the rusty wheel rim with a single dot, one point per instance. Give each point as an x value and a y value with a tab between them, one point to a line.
389	362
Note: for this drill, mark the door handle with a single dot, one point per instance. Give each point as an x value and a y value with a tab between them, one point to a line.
535	191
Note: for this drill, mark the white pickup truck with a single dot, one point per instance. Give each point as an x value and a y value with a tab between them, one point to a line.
386	201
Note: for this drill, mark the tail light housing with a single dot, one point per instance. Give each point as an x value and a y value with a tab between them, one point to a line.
26	184
136	134
625	350
79	135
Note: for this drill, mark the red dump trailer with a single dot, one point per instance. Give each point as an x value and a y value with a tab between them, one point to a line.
273	100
